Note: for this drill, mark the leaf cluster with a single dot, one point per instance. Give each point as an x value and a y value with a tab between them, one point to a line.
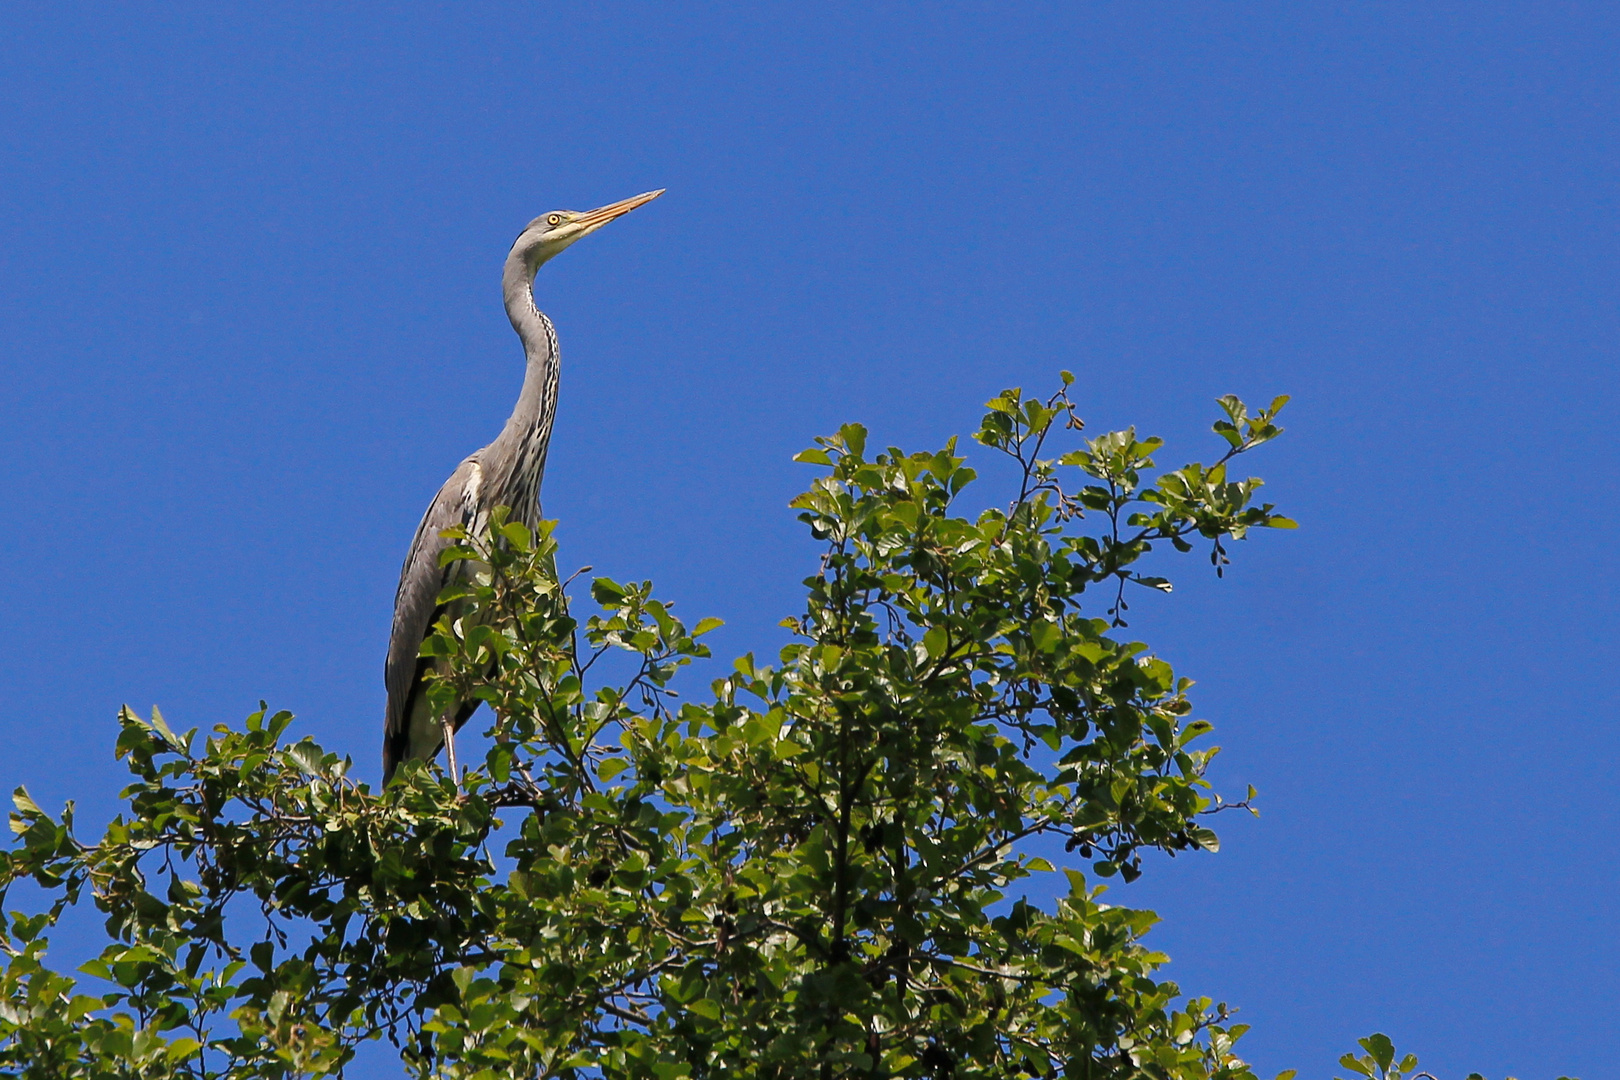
828	866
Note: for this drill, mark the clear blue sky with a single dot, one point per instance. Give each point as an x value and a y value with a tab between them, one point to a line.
250	319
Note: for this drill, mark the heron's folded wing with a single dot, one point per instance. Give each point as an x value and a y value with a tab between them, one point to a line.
416	603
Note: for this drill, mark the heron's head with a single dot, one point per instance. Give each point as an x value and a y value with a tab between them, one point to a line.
548	234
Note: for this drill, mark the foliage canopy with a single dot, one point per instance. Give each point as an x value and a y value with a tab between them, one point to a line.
821	869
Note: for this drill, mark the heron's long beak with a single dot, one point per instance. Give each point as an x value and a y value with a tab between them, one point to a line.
560	238
592	220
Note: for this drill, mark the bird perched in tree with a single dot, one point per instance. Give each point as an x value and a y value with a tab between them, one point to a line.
507	472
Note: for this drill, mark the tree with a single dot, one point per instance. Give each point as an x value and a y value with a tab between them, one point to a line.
820	869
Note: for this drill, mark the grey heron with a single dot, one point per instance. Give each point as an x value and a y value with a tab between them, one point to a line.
507	472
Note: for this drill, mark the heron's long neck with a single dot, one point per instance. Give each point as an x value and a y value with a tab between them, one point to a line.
515	462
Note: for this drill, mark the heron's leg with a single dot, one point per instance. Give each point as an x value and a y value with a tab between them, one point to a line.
450	751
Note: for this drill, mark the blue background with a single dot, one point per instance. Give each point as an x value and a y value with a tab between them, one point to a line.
250	319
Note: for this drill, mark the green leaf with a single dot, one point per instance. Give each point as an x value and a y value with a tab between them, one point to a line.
1379	1046
854	437
463	977
25	803
182	1048
456	553
517	534
163	729
607	592
305	756
1354	1064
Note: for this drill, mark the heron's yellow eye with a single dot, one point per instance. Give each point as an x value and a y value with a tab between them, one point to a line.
554	219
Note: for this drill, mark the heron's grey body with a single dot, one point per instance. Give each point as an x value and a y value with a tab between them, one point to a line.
507	472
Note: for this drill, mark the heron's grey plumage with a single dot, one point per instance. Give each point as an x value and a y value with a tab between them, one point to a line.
507	472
